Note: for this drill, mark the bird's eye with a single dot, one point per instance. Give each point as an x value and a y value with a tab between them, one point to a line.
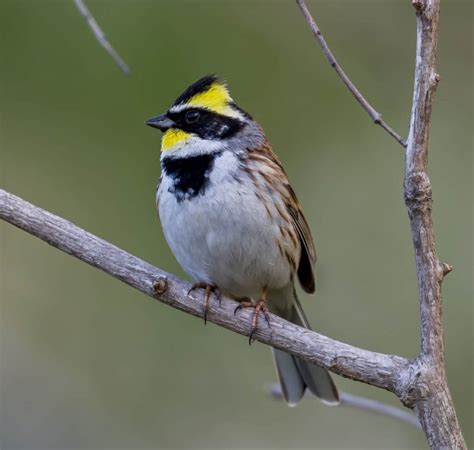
192	116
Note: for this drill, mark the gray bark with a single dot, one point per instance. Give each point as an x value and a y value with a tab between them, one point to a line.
429	392
432	401
377	369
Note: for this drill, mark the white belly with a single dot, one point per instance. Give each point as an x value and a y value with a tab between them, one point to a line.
225	237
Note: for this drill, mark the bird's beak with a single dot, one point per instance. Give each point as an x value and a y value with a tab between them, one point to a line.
162	122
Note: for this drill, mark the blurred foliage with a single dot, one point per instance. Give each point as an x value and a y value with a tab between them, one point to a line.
87	362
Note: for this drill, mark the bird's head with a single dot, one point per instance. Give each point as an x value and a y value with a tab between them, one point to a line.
204	118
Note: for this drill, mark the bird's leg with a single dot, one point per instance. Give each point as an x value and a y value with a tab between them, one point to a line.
209	288
260	306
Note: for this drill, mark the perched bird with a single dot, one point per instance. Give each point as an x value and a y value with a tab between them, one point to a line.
232	219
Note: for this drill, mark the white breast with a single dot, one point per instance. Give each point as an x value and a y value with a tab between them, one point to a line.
225	236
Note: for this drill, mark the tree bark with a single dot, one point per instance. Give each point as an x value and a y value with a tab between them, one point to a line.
384	371
432	402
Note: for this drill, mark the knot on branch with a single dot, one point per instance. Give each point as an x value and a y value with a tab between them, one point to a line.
435	78
418	194
377	118
414	383
337	362
160	286
419	5
433	81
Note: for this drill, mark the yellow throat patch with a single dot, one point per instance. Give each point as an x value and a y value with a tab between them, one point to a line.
173	137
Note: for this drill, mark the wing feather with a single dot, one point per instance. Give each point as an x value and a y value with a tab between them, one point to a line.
307	261
264	155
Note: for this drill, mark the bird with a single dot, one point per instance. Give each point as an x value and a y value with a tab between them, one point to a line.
233	221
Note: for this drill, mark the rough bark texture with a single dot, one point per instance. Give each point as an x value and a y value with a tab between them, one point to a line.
377	369
431	399
429	393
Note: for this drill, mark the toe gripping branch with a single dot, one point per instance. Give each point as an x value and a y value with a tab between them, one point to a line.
209	289
259	307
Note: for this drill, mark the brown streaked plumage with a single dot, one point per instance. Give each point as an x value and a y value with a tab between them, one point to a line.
263	162
233	221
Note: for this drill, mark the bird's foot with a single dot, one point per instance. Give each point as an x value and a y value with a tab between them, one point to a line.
259	307
209	288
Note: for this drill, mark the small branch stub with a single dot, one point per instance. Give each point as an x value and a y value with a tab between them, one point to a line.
160	286
447	268
418	4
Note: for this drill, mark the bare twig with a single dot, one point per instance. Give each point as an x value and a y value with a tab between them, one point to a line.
433	403
375	116
100	36
356	401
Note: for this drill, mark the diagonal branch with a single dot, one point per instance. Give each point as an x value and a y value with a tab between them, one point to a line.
384	371
100	36
375	116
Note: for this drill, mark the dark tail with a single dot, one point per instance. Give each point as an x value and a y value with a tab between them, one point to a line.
296	375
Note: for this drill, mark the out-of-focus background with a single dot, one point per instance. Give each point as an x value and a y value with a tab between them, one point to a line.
87	362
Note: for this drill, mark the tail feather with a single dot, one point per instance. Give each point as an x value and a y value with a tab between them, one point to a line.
291	382
296	374
318	381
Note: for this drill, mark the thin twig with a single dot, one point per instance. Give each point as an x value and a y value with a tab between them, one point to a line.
100	36
375	116
356	401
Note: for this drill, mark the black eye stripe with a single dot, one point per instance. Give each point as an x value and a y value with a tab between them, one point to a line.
208	124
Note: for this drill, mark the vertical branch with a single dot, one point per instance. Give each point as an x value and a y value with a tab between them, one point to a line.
433	402
427	390
418	193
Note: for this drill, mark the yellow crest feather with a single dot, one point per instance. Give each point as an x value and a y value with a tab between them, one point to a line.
216	98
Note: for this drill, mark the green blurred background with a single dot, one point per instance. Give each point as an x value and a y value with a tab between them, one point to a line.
87	362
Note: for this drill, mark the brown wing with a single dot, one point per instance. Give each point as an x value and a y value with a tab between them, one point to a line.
276	176
308	252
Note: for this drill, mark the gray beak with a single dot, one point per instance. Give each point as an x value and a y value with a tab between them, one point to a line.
162	122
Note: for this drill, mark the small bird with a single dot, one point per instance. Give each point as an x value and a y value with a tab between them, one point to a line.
233	221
